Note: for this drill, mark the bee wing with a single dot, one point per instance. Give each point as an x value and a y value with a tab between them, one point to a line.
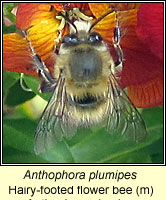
51	128
123	116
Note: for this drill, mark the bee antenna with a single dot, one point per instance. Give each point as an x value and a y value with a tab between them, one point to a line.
102	17
66	17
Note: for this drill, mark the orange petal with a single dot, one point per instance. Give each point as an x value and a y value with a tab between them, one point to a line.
16	56
58	6
127	15
99	9
44	33
82	6
147	95
29	14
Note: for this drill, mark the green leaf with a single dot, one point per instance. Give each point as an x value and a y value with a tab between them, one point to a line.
7	8
87	146
9	79
18	138
33	83
16	95
9	29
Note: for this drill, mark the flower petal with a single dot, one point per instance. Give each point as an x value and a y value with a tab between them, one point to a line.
16	56
143	76
29	14
143	65
57	6
127	15
140	66
81	6
43	32
147	95
41	24
43	37
150	27
99	9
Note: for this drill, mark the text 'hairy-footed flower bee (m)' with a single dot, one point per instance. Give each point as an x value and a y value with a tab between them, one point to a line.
85	89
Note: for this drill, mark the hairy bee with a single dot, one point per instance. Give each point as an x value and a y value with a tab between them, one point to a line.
85	89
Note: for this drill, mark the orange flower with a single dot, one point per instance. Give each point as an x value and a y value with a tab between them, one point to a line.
141	42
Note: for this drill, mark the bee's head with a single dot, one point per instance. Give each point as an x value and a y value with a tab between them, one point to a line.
85	62
74	39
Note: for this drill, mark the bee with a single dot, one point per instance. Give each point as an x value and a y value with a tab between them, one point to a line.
85	89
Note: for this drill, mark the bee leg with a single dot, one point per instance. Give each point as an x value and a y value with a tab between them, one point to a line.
48	83
46	86
41	68
119	54
22	84
117	38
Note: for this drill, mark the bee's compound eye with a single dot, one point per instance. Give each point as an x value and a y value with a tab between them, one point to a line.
95	37
70	39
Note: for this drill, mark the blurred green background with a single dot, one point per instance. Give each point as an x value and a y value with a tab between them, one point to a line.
21	113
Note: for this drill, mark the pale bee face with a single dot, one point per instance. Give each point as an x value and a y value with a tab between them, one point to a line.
86	93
